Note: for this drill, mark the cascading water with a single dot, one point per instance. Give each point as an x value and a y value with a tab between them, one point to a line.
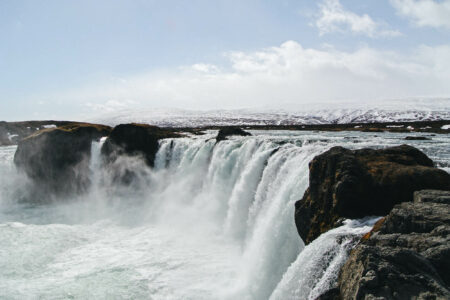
209	221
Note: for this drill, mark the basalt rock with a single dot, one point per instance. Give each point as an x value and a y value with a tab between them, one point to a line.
11	133
4	138
357	183
417	138
132	141
57	159
406	257
135	140
229	131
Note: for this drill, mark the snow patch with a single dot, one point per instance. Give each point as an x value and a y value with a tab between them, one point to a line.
49	126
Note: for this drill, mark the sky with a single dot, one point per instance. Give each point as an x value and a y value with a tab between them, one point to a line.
67	59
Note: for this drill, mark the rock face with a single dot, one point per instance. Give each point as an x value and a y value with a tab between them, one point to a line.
417	138
406	257
4	138
57	159
229	131
134	139
358	183
13	132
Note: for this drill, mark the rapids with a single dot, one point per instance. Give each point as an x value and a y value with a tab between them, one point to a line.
209	221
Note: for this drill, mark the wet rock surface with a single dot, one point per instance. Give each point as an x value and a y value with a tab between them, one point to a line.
407	257
139	141
135	140
417	138
4	137
225	132
57	159
357	183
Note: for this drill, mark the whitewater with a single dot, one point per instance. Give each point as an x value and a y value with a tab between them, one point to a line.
209	221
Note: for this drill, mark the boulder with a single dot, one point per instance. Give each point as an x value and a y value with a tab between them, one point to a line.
135	140
57	159
229	131
406	257
417	138
357	183
12	132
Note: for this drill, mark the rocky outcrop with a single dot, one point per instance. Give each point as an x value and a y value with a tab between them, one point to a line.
356	183
4	136
131	141
417	138
229	131
57	159
13	132
406	257
135	140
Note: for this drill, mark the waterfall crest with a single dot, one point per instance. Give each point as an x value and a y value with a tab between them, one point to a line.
209	221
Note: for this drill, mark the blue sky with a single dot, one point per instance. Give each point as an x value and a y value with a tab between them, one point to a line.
65	59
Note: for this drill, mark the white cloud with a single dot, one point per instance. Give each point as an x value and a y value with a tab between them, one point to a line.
206	68
334	18
425	12
277	76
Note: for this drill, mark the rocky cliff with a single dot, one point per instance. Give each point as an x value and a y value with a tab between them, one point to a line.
132	140
357	183
57	159
135	139
11	133
225	132
407	256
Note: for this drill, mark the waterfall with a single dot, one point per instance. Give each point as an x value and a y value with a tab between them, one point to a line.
317	267
243	189
209	221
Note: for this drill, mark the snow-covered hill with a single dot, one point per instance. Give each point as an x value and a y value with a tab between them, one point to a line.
393	111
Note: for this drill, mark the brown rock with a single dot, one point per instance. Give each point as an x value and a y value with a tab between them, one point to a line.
365	182
407	257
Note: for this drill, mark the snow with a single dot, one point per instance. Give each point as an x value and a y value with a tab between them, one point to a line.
446	127
334	113
49	126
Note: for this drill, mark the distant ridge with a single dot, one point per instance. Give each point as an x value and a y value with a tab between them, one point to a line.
189	118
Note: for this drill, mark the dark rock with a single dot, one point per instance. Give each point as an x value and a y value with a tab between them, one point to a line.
132	140
57	160
229	131
417	138
432	196
135	140
407	257
13	132
333	294
359	183
4	138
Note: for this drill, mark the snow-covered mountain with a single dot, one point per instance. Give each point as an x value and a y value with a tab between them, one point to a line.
393	111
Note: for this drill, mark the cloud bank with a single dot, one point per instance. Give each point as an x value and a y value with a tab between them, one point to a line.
425	12
276	77
334	18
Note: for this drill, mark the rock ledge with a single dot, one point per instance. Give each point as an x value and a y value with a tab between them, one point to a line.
357	183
